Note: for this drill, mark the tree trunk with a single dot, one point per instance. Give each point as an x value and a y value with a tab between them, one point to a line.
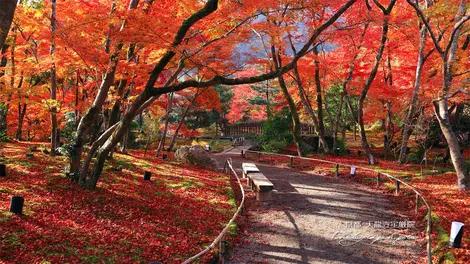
337	122
308	107
370	79
53	96
3	106
3	120
294	114
76	110
408	123
6	17
321	125
463	177
175	135
441	107
91	116
161	144
121	128
388	129
139	105
21	114
94	147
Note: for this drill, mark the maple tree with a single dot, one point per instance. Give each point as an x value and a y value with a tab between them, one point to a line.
90	76
150	91
448	53
136	51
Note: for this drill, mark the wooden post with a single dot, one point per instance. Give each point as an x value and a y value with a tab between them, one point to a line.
243	155
16	205
259	156
417	204
222	250
337	169
147	175
378	179
291	161
3	170
397	185
428	238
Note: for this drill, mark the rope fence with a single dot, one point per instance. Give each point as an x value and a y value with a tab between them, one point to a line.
219	240
398	184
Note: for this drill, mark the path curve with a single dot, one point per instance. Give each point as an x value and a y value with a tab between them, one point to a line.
318	219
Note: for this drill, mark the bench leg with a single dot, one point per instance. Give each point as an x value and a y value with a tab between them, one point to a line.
263	196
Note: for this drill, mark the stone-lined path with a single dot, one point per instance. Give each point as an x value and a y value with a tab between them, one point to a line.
316	219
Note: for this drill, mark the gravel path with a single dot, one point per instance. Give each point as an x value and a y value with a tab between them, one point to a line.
316	219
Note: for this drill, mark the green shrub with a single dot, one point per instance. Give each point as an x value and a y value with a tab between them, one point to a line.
420	154
276	129
306	148
341	145
274	146
276	134
67	133
4	137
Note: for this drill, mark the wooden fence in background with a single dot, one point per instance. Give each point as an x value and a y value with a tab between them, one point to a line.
256	128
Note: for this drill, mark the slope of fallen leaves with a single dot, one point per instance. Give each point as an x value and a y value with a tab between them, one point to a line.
125	220
440	191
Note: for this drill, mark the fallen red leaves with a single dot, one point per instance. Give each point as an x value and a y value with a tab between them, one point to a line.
126	220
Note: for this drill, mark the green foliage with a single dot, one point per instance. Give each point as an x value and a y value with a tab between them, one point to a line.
306	148
67	149
341	145
277	129
225	95
4	137
132	136
276	134
68	131
420	154
333	98
258	101
274	146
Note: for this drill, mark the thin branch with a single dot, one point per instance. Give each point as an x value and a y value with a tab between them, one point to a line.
425	21
262	77
448	96
461	73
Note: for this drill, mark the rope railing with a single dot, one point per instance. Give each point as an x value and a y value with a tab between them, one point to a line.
398	182
228	168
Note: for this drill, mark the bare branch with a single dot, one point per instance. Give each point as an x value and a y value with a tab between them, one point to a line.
461	73
425	21
456	31
453	94
154	91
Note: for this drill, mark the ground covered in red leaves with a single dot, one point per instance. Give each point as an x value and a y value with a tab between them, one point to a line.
125	220
439	189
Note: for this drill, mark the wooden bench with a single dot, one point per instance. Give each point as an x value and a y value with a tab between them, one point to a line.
249	168
257	182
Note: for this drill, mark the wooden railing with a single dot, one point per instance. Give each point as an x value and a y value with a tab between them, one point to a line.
219	240
398	183
256	128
